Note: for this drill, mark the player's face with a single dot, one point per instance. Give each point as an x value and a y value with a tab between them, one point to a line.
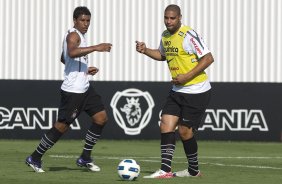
82	23
172	21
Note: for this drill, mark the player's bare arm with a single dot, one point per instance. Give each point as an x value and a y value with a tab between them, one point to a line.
73	42
203	63
102	47
152	53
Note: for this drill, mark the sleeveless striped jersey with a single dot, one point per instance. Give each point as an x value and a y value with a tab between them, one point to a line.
76	69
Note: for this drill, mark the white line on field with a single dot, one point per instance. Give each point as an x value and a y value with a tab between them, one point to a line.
244	166
149	159
201	157
242	157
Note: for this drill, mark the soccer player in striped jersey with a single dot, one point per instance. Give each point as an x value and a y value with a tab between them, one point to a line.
187	57
77	94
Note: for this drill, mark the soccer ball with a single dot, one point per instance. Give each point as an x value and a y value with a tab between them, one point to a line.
128	169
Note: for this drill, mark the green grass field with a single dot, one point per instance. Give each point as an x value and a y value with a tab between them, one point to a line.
220	162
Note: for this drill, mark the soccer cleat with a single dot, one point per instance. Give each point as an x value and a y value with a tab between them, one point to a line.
36	166
160	174
185	173
88	164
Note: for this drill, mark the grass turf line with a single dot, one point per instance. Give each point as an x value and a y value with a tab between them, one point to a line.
220	162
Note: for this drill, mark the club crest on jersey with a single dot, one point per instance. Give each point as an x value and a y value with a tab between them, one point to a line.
132	110
181	33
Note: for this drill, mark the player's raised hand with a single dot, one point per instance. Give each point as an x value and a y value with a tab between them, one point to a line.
179	79
104	47
140	47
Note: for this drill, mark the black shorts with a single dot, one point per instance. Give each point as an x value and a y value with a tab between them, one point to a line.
72	104
190	108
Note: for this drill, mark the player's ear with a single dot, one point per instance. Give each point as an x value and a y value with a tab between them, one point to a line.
180	17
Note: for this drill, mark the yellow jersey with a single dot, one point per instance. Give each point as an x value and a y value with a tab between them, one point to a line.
182	51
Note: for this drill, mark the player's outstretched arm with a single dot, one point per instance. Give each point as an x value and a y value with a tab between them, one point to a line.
73	42
102	47
152	53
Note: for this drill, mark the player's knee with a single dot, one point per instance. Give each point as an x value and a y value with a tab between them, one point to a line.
61	127
100	118
185	132
102	121
167	127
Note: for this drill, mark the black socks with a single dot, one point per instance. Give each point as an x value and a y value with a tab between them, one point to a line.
167	150
47	141
92	136
191	151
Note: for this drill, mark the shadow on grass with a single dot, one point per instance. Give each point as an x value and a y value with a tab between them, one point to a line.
147	172
67	169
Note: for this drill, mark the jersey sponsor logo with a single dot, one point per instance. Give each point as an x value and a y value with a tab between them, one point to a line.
170	60
171	50
171	54
194	35
167	43
132	110
173	68
198	50
30	118
235	120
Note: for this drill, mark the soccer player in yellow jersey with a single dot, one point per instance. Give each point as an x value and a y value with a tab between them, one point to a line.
187	57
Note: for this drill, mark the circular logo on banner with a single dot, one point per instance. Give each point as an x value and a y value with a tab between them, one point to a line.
132	110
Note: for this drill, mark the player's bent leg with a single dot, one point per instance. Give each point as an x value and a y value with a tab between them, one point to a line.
47	142
92	136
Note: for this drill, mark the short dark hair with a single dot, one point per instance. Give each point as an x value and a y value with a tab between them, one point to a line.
173	7
81	10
